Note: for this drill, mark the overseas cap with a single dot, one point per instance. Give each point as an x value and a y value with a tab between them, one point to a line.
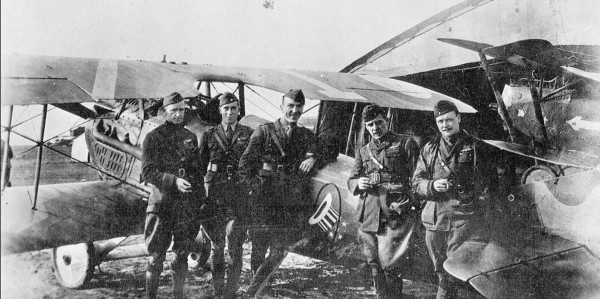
444	106
371	112
296	95
173	98
227	98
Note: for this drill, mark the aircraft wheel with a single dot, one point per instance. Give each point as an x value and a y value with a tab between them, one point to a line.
538	173
201	251
73	265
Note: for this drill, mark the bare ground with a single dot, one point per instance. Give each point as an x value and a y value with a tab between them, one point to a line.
30	275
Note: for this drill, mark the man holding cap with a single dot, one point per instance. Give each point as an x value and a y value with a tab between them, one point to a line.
220	150
381	176
455	176
277	166
169	164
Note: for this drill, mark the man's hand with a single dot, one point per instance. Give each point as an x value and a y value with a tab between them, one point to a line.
363	183
183	186
307	164
441	185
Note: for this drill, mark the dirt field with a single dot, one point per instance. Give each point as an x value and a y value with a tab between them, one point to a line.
29	275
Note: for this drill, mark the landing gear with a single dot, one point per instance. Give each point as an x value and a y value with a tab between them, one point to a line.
538	173
73	265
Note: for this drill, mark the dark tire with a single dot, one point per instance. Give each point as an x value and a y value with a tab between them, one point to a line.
73	265
201	251
538	173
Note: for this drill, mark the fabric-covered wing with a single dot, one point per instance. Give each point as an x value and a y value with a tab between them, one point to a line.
85	79
530	254
492	22
564	157
546	267
68	214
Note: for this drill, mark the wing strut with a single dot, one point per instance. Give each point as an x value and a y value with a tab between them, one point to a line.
6	147
501	107
242	98
38	163
352	124
537	107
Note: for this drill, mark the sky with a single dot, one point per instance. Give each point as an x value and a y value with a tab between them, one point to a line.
321	35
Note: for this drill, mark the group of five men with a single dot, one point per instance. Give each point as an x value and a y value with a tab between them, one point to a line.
234	178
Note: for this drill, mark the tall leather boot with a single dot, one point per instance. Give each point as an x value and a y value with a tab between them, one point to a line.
261	278
153	272
446	288
218	279
378	282
394	285
152	281
179	273
233	276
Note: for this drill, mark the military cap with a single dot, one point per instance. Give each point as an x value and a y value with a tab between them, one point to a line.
296	95
371	112
444	106
173	98
226	98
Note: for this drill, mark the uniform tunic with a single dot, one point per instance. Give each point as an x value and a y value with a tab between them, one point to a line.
455	216
383	230
279	198
169	152
221	155
282	188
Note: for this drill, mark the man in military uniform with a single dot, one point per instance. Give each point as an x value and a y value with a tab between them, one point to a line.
220	150
168	163
277	166
455	176
381	176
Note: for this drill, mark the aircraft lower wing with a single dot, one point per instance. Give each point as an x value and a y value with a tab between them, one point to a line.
566	158
82	79
541	267
68	214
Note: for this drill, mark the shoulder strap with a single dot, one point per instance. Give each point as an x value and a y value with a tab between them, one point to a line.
275	139
379	165
220	139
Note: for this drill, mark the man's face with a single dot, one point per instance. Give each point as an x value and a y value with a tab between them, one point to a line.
291	109
448	123
229	113
377	127
175	112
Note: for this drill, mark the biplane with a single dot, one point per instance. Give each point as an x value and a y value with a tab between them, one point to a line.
126	95
544	222
531	70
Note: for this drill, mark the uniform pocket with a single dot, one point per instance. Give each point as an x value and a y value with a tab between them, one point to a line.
428	214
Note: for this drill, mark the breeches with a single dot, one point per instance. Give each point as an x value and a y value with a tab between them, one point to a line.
218	231
389	248
442	244
160	230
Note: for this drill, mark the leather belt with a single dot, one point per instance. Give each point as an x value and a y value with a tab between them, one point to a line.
272	167
228	169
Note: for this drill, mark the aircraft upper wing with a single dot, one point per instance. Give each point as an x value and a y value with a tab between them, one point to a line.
33	80
492	22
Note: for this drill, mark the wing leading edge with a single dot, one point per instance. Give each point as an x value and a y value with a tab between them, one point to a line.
65	80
